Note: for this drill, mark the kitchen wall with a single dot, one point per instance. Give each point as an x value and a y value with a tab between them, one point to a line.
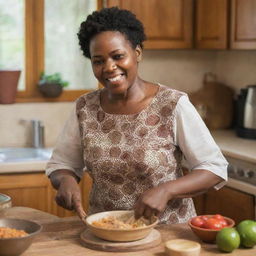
184	70
180	69
236	68
15	125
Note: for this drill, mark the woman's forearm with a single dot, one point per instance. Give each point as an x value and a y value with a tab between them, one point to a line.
57	176
192	184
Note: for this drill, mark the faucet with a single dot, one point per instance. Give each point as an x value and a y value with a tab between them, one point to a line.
37	134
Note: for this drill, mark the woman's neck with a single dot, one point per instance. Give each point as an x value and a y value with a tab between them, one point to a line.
135	93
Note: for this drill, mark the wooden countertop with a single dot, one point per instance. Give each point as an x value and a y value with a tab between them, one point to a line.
235	147
23	167
60	236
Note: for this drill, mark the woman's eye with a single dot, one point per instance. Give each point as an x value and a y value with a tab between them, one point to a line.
118	56
97	62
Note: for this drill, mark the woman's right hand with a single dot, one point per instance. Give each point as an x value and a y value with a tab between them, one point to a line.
69	196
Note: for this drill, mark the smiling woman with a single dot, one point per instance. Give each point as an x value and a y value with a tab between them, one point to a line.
35	37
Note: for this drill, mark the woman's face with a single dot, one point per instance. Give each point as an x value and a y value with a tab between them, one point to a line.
114	61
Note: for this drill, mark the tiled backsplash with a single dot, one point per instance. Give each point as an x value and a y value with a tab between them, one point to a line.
17	133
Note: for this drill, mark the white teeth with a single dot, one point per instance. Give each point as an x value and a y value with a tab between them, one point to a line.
114	79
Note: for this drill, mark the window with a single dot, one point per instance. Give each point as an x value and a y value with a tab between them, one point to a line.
12	47
61	42
40	35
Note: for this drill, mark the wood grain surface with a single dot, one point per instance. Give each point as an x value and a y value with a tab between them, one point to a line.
61	236
92	242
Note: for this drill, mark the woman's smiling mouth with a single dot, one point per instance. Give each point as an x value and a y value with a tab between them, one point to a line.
115	79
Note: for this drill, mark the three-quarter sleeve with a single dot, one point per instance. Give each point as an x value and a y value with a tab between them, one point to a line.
196	142
67	153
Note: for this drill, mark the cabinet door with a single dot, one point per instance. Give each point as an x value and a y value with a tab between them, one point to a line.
228	202
30	190
211	24
168	23
243	24
34	190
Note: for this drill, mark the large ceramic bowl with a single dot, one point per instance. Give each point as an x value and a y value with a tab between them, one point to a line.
116	234
208	235
16	246
5	201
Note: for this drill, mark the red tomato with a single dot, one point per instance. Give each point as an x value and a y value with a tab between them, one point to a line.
218	217
212	223
224	223
204	217
197	221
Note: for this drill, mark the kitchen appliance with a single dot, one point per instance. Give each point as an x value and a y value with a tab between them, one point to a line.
242	171
246	113
242	177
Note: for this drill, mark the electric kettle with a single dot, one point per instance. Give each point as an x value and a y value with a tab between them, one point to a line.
246	113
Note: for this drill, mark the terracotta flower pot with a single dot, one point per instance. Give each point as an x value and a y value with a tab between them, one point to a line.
8	85
50	90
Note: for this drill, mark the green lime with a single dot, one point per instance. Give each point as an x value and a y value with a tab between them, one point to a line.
227	239
247	232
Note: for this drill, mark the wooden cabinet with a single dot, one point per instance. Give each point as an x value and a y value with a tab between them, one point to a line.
34	190
200	24
227	201
168	23
243	24
224	24
211	26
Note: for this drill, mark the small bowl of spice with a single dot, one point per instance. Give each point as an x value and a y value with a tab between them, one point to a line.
16	235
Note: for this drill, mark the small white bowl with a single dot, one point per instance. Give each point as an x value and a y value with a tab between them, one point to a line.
182	247
119	235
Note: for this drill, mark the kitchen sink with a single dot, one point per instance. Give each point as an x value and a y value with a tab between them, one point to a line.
24	154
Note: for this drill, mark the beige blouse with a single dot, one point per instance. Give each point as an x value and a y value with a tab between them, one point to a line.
127	154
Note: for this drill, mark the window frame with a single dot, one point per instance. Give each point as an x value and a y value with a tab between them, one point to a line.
34	56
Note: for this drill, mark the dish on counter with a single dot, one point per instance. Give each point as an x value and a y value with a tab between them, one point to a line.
208	235
5	201
12	246
113	226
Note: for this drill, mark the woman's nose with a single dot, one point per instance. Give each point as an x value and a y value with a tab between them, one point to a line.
110	66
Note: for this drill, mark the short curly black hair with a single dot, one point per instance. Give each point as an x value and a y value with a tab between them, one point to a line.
111	19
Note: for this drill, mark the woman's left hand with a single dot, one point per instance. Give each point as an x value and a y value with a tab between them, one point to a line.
152	201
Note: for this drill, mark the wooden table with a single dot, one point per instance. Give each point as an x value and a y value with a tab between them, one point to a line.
60	236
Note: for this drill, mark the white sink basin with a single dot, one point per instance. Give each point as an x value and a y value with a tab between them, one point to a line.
24	154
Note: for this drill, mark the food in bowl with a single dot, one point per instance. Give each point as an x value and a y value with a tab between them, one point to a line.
118	233
215	222
207	229
11	232
14	246
112	222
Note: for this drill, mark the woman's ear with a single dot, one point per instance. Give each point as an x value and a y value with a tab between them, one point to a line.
138	51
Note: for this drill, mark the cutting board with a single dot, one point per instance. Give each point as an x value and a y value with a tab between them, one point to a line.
95	243
214	102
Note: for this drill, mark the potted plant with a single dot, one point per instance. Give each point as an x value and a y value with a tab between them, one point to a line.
51	85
